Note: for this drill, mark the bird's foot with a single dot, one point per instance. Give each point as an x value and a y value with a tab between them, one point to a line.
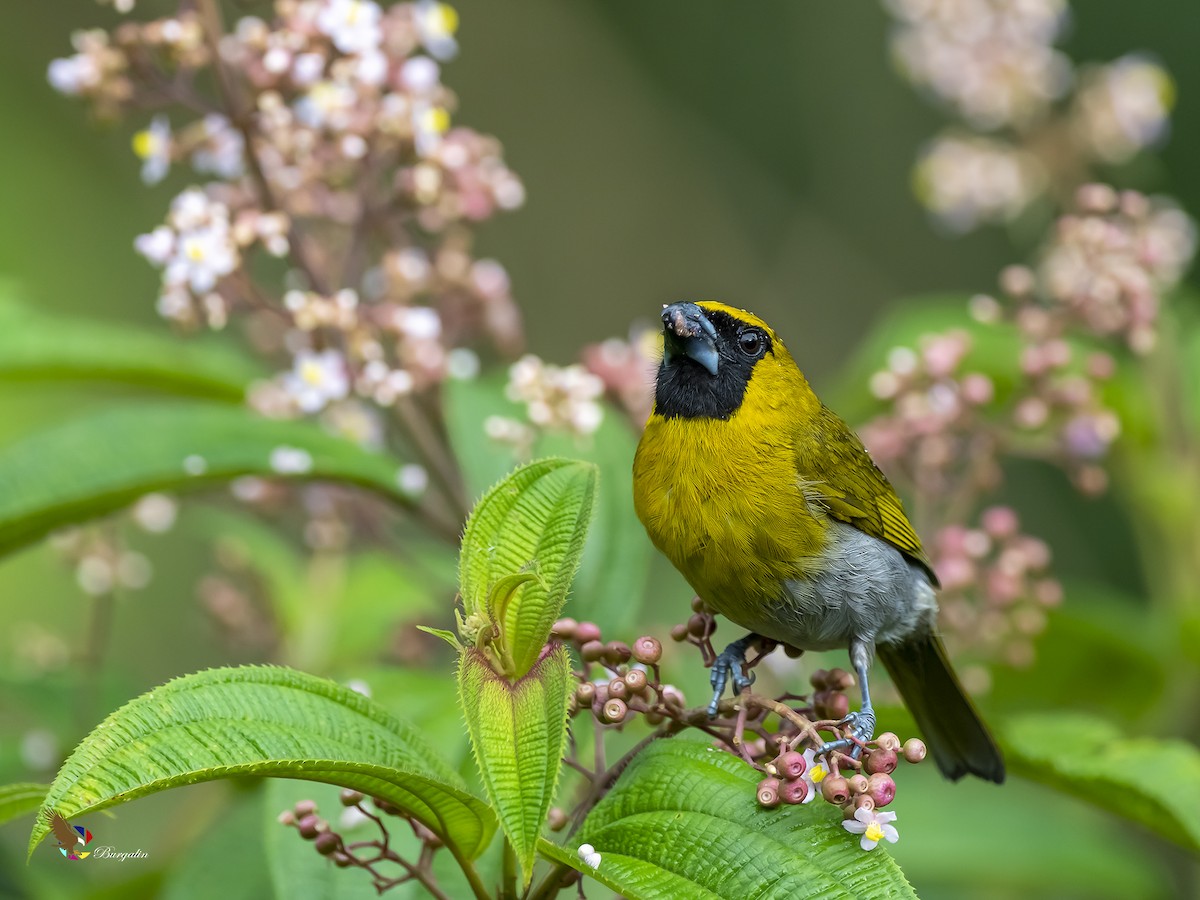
730	662
860	729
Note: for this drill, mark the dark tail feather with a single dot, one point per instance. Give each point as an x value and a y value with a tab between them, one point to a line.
956	736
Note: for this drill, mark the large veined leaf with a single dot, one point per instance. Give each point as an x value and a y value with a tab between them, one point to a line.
1094	760
21	799
682	821
535	521
96	464
265	721
519	733
36	346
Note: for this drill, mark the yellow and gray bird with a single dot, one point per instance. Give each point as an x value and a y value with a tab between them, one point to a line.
772	509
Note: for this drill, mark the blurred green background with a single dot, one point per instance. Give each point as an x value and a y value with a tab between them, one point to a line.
754	153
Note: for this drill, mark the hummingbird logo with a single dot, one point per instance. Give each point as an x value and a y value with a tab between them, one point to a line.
71	838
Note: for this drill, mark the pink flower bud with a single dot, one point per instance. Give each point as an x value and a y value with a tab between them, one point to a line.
914	750
880	760
794	791
881	788
768	792
791	764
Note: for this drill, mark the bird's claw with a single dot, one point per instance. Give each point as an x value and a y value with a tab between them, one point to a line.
861	729
729	662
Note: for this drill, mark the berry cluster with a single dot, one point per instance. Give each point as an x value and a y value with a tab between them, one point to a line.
366	855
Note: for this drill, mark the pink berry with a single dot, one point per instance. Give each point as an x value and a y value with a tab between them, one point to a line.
791	764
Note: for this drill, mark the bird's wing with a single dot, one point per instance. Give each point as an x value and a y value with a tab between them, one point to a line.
838	472
62	828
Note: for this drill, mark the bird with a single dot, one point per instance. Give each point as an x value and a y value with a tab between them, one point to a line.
67	836
772	509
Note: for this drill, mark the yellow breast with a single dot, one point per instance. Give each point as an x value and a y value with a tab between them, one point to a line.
723	501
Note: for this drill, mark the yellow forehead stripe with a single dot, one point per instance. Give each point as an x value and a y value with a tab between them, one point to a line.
740	314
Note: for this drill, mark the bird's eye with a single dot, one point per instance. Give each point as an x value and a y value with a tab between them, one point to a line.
751	342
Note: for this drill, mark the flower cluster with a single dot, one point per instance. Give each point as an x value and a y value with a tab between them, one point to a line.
993	62
555	398
332	212
995	589
626	367
785	741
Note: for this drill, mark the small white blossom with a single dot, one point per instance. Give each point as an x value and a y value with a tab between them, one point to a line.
317	379
153	147
874	826
412	479
155	513
290	461
223	150
352	25
557	397
590	857
462	363
157	246
1124	107
74	74
436	24
95	575
328	104
420	74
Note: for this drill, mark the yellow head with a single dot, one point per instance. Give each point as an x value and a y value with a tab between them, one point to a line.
712	353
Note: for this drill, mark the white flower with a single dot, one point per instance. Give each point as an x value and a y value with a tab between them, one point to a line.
153	147
412	479
290	461
328	104
317	379
352	25
436	24
74	74
202	257
157	246
307	68
588	854
429	124
223	150
1124	107
371	68
155	513
420	74
874	826
814	774
419	323
966	181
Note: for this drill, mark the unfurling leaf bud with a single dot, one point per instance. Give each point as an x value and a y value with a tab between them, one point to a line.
768	792
618	688
794	791
647	650
888	741
557	819
835	789
880	761
591	651
914	750
791	765
636	680
564	629
858	784
351	798
882	789
327	842
614	711
587	631
679	633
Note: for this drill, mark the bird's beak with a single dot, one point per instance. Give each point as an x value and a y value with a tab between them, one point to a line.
687	332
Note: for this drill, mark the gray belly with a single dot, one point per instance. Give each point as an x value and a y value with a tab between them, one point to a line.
871	592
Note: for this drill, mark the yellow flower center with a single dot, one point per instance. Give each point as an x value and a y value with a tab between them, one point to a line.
818	774
436	119
145	144
874	832
446	18
312	373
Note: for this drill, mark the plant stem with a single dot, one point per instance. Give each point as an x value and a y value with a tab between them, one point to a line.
509	890
471	873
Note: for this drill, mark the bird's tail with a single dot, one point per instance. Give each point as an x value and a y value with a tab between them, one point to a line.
956	735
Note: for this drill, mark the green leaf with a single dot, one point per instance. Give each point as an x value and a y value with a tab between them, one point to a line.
682	821
611	584
536	519
448	636
1154	781
36	346
266	721
20	799
518	732
97	464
